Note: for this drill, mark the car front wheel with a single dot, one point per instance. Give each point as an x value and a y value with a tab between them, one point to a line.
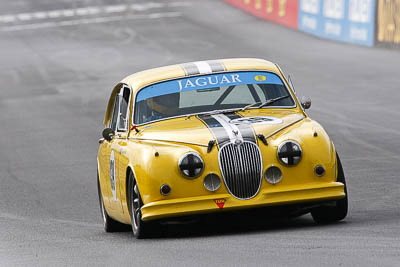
338	211
140	228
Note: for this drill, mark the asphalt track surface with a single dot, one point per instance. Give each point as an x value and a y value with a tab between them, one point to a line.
56	75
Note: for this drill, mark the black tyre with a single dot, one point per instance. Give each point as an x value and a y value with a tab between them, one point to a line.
337	212
110	225
140	228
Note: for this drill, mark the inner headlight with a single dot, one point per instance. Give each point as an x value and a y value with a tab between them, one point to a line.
273	175
191	165
289	153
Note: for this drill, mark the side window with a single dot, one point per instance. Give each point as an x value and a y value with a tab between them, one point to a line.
115	113
120	114
124	97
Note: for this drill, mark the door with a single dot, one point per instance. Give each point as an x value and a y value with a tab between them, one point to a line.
109	151
107	160
122	142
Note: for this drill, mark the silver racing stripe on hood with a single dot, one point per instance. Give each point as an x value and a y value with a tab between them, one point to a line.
203	67
231	129
224	131
216	65
246	129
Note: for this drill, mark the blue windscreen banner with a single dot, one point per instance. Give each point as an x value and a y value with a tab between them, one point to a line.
350	21
205	82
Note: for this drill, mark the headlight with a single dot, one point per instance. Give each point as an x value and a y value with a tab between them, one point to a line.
273	175
212	182
191	165
289	153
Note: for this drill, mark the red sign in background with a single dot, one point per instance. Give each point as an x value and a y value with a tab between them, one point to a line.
284	12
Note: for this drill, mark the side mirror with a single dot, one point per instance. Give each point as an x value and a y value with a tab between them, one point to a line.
305	102
108	134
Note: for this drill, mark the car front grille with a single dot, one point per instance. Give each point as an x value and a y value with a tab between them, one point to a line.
241	168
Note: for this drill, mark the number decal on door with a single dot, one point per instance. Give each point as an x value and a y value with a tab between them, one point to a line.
112	176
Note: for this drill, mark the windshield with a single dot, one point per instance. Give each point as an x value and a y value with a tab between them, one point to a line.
208	93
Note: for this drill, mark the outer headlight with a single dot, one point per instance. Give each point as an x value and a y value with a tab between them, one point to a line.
191	165
289	153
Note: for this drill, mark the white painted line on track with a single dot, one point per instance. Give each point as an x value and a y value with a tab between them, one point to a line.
54	14
115	9
24	16
86	11
53	24
68	12
179	4
82	11
94	10
8	18
40	15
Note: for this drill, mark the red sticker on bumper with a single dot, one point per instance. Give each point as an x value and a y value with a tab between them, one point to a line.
220	202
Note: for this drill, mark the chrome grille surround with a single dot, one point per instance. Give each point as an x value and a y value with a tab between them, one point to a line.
241	169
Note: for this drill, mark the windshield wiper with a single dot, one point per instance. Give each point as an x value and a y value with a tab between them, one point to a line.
261	104
273	100
214	112
249	106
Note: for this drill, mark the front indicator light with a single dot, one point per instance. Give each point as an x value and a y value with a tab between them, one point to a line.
319	171
165	190
191	165
212	182
273	175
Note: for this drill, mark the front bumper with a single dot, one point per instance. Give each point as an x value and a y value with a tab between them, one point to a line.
318	192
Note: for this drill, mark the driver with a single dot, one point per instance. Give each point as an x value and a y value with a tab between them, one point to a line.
163	106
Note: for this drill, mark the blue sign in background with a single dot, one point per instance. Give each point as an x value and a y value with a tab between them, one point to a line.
350	21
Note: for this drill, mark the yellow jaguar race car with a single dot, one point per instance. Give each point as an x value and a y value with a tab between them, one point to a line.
213	136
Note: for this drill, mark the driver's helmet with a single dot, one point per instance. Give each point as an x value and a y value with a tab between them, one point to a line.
164	105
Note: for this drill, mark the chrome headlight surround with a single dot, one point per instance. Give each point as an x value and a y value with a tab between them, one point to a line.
289	153
191	165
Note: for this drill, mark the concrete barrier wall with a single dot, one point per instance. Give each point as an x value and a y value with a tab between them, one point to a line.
363	22
350	21
283	12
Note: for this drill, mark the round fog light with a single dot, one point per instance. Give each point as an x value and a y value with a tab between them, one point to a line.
212	182
319	170
273	175
165	190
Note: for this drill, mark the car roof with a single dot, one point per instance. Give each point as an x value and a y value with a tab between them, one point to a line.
140	79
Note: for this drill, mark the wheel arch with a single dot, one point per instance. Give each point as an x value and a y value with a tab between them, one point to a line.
129	170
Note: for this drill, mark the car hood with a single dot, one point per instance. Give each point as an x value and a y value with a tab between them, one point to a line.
222	127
